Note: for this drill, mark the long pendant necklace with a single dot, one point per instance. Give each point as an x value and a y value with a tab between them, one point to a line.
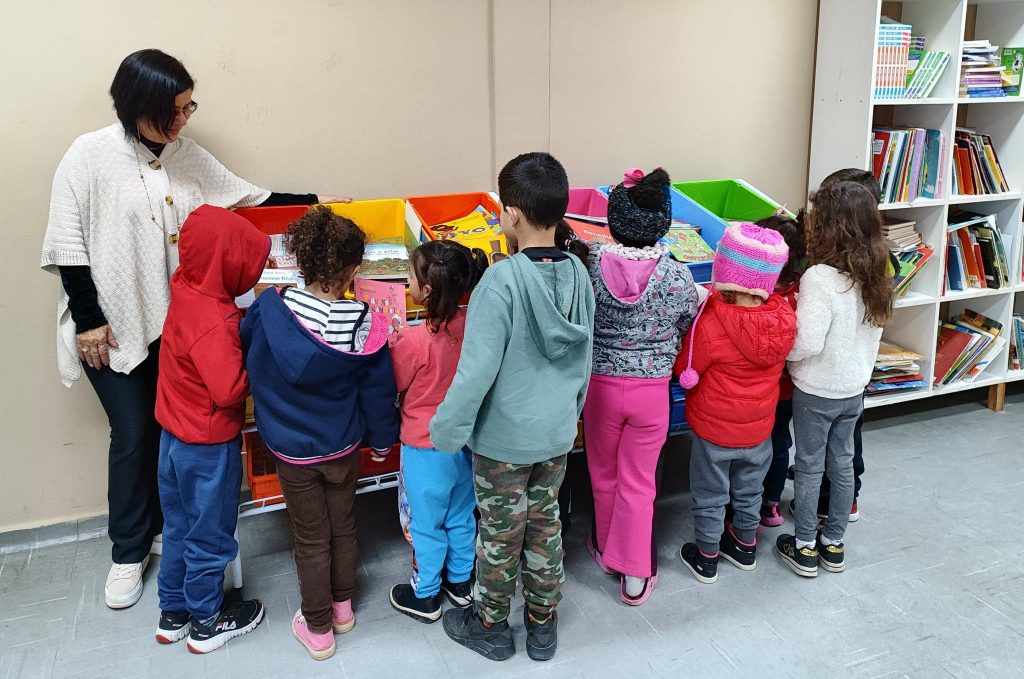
172	238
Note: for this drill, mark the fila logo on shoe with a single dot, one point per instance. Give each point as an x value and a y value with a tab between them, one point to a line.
226	626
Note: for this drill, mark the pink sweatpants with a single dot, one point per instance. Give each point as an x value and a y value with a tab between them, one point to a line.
625	422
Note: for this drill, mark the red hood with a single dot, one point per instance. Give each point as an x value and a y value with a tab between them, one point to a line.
222	254
764	334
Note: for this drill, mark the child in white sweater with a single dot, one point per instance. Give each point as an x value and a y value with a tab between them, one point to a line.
845	299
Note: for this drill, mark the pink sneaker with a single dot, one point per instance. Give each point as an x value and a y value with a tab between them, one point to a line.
344	618
770	516
596	555
644	595
320	646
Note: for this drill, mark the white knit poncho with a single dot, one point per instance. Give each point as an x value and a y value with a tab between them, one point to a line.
100	217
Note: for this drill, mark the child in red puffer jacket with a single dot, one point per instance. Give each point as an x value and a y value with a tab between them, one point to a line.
736	351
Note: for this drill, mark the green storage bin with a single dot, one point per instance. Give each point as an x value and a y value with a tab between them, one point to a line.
729	199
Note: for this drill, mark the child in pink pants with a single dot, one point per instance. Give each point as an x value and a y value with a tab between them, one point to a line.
645	303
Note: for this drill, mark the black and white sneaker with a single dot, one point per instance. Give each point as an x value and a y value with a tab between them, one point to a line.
802	561
831	557
404	600
703	568
459	593
173	627
234	620
741	556
541	638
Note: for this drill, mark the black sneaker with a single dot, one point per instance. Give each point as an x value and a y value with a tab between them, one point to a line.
791	472
459	593
404	600
803	562
541	638
703	568
465	627
831	557
234	620
173	627
741	556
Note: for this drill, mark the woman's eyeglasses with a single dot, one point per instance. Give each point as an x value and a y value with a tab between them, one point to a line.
187	110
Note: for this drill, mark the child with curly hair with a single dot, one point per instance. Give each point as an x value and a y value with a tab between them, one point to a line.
323	386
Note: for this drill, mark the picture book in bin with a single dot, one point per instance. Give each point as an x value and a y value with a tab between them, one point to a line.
384	298
687	246
384	260
481	228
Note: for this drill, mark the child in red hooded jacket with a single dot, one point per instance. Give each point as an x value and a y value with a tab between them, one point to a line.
737	348
200	404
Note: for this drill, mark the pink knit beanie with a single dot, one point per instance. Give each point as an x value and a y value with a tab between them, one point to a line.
749	259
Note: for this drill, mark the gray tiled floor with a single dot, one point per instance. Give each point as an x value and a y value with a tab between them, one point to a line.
935	588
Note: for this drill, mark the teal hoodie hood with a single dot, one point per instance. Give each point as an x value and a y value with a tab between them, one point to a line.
525	363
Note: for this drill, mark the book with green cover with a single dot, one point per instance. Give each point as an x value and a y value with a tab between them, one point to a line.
1013	66
687	246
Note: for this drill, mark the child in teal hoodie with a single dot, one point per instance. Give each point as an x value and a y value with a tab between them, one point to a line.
515	400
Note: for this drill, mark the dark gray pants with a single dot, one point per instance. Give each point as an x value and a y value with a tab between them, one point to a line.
824	440
718	474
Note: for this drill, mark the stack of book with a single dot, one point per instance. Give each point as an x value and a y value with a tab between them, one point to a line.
981	70
975	255
1017	345
896	369
923	71
967	344
906	243
976	167
588	228
892	52
906	162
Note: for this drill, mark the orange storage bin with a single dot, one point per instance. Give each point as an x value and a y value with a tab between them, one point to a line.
261	467
272	220
424	211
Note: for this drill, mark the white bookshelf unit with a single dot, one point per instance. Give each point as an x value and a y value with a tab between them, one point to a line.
844	113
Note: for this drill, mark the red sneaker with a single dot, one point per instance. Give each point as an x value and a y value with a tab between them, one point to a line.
854	514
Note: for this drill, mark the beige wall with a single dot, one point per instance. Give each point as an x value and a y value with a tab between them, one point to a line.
373	98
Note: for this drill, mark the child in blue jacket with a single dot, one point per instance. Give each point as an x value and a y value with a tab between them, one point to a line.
323	386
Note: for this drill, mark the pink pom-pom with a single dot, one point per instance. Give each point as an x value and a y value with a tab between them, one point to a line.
632	177
688	378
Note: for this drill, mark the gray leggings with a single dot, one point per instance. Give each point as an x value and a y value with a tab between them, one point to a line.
824	440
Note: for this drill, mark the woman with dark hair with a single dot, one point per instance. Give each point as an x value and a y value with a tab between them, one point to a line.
119	198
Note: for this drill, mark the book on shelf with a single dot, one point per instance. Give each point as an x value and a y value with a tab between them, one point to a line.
975	253
385	260
906	162
479	228
1017	342
1012	60
982	74
924	69
966	346
896	368
892	50
383	297
976	166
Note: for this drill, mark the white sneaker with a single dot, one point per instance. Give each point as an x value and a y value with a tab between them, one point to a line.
124	584
157	548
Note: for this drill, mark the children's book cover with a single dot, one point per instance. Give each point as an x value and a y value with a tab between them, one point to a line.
481	228
383	298
385	260
687	246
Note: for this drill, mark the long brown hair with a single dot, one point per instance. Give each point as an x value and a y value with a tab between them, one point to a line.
844	230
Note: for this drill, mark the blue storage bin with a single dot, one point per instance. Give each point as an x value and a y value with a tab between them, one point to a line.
711	227
677	411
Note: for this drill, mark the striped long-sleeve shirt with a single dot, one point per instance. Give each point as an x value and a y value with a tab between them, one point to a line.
342	323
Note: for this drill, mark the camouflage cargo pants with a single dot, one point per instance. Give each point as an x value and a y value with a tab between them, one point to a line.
518	520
